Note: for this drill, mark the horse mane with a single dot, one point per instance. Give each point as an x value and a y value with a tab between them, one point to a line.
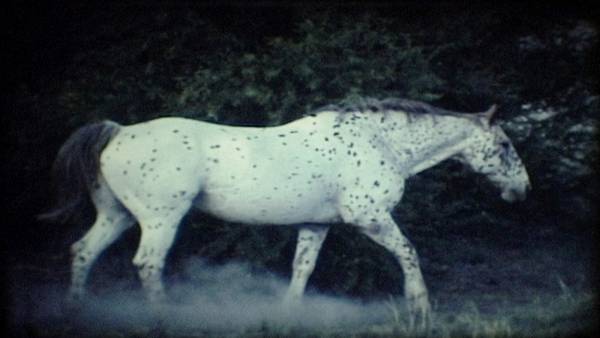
391	104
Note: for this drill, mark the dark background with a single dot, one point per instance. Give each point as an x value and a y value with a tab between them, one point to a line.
51	49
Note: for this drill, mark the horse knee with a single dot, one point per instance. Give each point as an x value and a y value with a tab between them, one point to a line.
138	261
80	257
302	272
150	271
150	274
147	264
141	262
303	266
77	247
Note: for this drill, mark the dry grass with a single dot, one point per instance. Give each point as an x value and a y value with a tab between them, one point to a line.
566	314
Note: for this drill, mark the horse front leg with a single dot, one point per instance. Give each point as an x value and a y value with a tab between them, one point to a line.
383	230
310	240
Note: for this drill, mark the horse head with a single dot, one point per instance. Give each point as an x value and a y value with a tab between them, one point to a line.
491	153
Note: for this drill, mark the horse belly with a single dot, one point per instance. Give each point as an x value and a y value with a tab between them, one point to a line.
252	207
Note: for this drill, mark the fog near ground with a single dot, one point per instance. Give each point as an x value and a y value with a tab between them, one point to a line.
226	298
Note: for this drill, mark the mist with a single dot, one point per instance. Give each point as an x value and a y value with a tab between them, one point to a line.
211	299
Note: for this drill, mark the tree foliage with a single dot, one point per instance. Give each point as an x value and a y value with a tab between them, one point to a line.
193	71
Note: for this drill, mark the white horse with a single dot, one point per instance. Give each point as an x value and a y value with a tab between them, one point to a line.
341	164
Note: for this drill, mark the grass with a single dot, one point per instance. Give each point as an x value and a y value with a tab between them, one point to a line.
549	316
558	315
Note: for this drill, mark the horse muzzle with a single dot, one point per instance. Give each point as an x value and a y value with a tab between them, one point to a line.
515	194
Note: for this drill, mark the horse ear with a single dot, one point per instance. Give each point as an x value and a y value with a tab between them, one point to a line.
487	116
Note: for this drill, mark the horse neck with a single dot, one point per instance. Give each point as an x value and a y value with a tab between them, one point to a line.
423	141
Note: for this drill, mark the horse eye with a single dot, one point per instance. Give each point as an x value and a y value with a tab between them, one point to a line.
505	145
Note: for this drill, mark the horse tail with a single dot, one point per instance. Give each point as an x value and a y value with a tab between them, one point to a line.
76	168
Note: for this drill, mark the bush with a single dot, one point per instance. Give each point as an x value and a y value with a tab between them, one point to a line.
170	71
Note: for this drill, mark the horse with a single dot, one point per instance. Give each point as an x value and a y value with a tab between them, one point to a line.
344	163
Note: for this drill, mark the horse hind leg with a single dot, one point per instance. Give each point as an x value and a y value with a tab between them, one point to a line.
111	221
386	233
158	235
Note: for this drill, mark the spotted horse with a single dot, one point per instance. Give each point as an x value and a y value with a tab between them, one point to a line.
341	164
